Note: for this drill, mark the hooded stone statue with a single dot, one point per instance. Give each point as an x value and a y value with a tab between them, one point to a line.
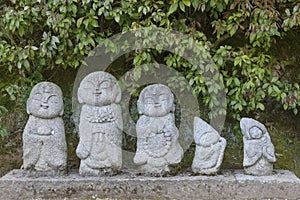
210	148
258	149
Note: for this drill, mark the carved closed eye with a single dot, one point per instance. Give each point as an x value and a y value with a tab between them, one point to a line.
149	100
37	97
163	98
88	85
105	85
53	99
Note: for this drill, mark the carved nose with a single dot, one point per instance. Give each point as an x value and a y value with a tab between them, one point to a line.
98	91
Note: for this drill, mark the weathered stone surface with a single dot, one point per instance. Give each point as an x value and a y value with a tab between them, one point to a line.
210	148
231	184
44	144
100	127
258	149
157	135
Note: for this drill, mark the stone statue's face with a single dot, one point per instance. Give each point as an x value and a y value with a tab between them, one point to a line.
209	138
99	89
255	132
156	101
45	101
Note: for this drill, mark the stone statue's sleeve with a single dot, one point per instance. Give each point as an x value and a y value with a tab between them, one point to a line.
118	114
170	128
85	135
117	111
176	152
269	151
252	151
31	145
53	145
141	157
221	151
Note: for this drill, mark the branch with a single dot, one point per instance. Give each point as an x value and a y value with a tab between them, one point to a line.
222	39
10	38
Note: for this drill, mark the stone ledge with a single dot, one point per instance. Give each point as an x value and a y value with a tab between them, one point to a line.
232	184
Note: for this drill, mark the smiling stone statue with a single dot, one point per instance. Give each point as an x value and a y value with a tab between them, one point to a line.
259	153
44	144
157	135
100	127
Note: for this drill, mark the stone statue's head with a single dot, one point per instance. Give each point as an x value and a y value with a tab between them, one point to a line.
99	89
252	129
156	101
255	132
45	101
209	138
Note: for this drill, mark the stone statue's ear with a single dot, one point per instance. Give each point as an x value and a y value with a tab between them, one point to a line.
79	96
61	112
27	106
173	108
140	107
118	93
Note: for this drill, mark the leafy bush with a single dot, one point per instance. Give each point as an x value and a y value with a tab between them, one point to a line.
40	35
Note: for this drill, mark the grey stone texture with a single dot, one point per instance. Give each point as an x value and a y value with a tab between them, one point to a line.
259	153
44	144
100	126
157	135
210	148
231	184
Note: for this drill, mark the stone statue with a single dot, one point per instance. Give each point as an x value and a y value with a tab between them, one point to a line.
258	148
210	148
157	135
100	127
44	143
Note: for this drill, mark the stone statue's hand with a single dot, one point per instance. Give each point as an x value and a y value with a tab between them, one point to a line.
44	130
140	159
82	152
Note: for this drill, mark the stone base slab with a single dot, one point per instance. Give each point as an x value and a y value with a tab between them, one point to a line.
231	184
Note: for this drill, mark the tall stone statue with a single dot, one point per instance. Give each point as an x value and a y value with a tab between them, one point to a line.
157	135
44	144
258	148
100	127
210	148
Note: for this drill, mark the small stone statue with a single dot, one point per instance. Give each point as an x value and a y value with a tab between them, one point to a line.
258	148
100	127
44	144
210	148
157	135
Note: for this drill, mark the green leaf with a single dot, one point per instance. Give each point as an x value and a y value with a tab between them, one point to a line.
287	11
236	81
94	23
26	65
3	109
252	37
79	22
182	7
232	31
137	73
187	2
260	106
173	8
